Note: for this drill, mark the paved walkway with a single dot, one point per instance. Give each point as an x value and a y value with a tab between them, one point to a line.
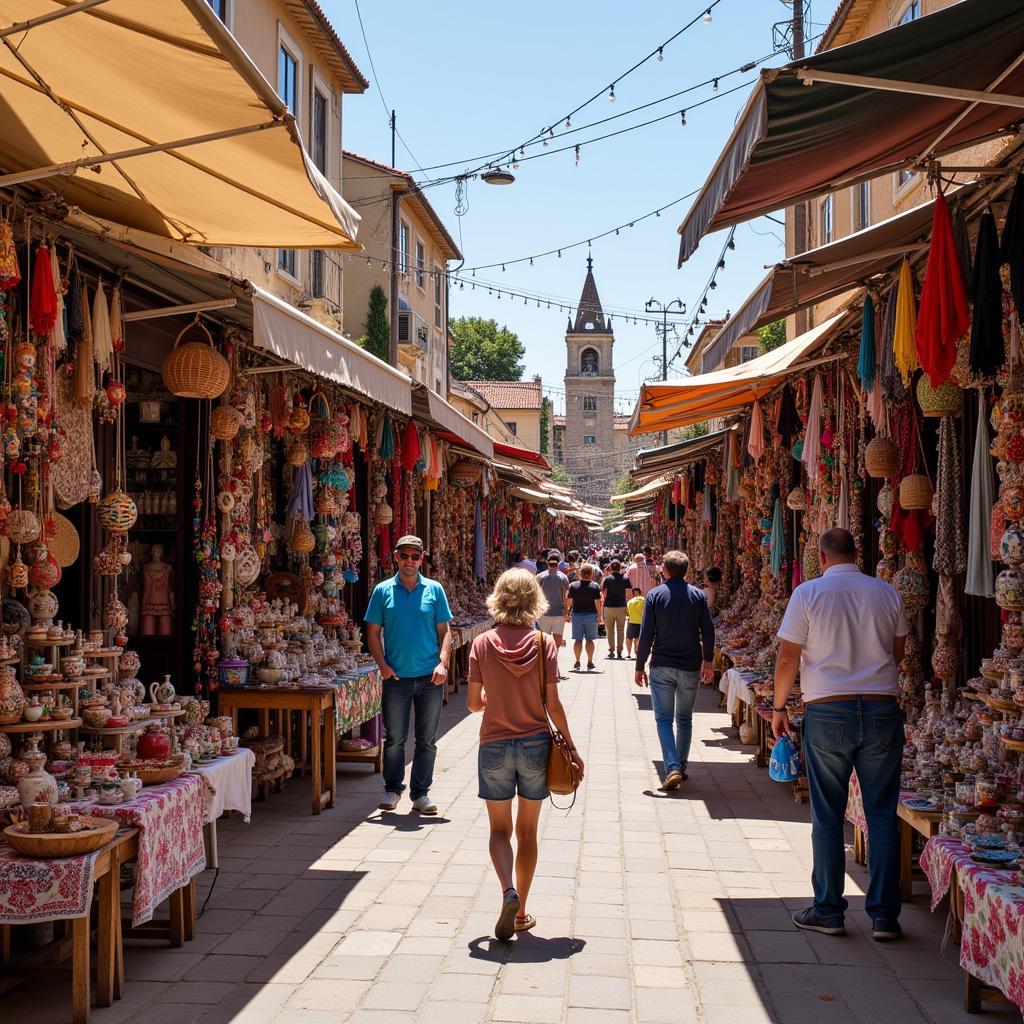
651	908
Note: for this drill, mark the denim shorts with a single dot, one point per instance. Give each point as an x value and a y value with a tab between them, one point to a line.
584	626
508	767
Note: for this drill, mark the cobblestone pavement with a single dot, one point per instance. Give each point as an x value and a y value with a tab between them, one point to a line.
651	908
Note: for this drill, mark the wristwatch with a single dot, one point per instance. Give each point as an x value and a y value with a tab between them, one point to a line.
779	710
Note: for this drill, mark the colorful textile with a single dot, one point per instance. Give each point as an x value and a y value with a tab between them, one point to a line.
943	315
988	347
866	362
979	579
169	818
903	347
950	552
34	890
43	302
811	455
357	699
1012	245
755	445
993	915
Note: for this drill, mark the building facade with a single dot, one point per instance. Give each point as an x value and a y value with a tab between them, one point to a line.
517	404
475	407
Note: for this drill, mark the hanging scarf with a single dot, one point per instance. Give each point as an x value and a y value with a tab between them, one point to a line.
117	320
962	240
979	563
301	503
866	362
102	339
410	446
85	381
778	540
43	303
943	315
1012	248
876	405
788	423
479	563
76	298
892	384
843	508
755	443
811	455
60	340
988	349
903	348
950	557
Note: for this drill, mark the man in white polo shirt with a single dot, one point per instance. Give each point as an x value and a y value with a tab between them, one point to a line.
846	633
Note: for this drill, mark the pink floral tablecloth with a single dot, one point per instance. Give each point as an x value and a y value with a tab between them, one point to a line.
169	818
34	890
992	930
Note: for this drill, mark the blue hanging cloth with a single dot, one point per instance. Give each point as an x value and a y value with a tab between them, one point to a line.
778	540
866	362
387	441
479	567
301	503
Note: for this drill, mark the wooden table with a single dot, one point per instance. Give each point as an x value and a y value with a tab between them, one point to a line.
925	823
41	965
316	703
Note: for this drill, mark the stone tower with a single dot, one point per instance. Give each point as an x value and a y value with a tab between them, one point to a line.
589	442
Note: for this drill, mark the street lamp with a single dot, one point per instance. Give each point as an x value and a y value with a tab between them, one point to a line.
652	305
498	177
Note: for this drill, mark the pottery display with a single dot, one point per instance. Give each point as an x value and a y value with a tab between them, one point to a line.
37	786
162	693
1010	589
12	698
154	744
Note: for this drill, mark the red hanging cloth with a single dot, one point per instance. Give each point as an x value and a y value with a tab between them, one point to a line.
411	450
43	303
943	314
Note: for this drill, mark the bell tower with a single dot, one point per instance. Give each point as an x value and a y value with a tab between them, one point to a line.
590	398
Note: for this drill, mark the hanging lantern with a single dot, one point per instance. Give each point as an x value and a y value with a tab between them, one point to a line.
296	453
115	615
385	514
225	422
117	512
796	500
17	573
45	572
116	393
23	526
881	457
302	539
247	566
195	369
916	492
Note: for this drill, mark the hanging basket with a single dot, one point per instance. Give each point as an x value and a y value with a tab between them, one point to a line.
302	540
64	544
324	433
465	473
945	400
117	512
796	500
916	492
881	457
23	526
385	514
225	422
297	453
246	566
195	369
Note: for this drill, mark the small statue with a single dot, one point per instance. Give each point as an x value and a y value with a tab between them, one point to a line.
157	595
164	458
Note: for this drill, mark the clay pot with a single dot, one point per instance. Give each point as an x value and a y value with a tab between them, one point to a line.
154	745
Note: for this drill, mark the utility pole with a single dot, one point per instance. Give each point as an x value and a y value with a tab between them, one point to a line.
652	305
801	210
394	129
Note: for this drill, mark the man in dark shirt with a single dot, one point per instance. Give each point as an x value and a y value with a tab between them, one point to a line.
677	625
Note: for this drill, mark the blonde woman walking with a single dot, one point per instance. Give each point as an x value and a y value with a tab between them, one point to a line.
506	675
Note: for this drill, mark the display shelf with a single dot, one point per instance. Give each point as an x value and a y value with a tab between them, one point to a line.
42	641
105	674
103	655
139	725
11	661
51	726
73	684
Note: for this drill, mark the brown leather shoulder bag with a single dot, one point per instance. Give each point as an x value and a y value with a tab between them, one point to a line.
563	775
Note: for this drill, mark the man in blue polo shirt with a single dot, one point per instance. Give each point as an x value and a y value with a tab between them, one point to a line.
407	630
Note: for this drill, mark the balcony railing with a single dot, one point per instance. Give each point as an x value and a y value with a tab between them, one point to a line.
325	277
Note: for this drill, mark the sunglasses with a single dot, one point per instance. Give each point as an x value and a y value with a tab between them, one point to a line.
414	555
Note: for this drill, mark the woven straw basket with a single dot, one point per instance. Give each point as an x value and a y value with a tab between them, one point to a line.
944	400
195	369
916	491
225	422
880	457
64	545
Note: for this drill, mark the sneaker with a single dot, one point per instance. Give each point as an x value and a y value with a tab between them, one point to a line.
390	801
576	667
506	926
809	921
424	805
883	930
672	780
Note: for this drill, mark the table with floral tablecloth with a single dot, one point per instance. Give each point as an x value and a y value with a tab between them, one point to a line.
357	698
169	818
34	889
992	928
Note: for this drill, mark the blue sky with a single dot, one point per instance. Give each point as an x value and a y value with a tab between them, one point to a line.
470	79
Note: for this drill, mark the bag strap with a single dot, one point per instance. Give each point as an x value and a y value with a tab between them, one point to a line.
547	715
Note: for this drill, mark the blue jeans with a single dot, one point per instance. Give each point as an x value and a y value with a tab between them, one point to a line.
673	694
399	698
838	737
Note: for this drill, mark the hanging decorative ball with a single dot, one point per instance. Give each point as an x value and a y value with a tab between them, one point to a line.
1011	497
796	500
945	400
117	512
385	514
1011	546
1015	449
945	661
225	501
912	586
44	572
885	570
1010	589
247	566
812	559
115	615
23	526
885	500
916	491
17	574
881	457
116	393
228	552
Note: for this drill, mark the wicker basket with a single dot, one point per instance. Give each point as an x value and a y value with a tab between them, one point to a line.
225	422
916	491
153	773
297	453
195	369
945	400
64	543
95	832
302	541
881	457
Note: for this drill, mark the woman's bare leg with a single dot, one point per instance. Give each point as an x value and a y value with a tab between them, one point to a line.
527	816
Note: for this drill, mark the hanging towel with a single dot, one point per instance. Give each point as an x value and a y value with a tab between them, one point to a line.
811	455
755	443
988	348
979	563
903	348
102	340
1012	248
943	315
950	555
866	362
778	540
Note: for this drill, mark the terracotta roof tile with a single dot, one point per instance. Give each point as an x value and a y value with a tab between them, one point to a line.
510	394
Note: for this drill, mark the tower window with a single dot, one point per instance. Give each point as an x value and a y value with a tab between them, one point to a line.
590	403
588	361
589	439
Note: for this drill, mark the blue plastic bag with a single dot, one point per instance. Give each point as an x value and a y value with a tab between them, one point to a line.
784	765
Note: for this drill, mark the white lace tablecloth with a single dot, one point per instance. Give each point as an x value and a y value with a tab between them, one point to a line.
230	784
736	689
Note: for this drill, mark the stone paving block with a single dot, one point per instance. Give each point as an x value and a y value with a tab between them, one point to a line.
600	992
368	943
341	995
528	1009
405	967
652	953
357	968
395	995
449	1011
461	988
665	1006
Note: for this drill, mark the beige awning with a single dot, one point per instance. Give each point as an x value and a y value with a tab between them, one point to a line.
148	113
649	488
300	340
529	494
430	407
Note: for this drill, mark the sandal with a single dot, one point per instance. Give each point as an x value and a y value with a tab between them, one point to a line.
524	924
505	928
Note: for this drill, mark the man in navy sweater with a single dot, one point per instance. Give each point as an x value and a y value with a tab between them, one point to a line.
677	626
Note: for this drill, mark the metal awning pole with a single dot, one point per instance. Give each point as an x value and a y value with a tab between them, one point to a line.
53	170
999	99
43	19
192	307
868	257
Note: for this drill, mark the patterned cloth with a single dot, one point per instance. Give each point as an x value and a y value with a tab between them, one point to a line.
991	947
34	890
357	699
169	818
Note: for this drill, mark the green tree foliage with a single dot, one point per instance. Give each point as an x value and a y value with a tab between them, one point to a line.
772	335
559	475
484	351
545	426
377	339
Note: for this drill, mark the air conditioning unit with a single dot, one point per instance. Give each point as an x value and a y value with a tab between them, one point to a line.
404	328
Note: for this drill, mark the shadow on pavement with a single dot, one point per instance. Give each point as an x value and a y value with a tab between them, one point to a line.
526	948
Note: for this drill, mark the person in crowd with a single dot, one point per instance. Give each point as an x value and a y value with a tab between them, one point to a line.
408	635
583	609
846	633
640	575
554	585
572	570
635	615
517	560
613	594
506	673
712	581
679	636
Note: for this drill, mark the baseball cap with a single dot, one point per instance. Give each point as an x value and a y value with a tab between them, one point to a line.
562	566
409	541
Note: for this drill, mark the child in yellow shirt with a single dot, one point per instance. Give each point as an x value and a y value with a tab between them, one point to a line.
635	614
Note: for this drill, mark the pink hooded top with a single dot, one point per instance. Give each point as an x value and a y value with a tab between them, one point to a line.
504	660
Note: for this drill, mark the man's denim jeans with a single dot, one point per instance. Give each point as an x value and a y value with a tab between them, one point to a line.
673	694
838	737
400	697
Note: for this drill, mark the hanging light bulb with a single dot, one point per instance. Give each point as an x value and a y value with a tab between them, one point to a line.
657	213
714	85
522	152
611	93
682	118
531	261
732	244
721	264
369	262
568	123
503	268
559	253
707	17
545	143
462	286
515	165
713	285
661	53
577	156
